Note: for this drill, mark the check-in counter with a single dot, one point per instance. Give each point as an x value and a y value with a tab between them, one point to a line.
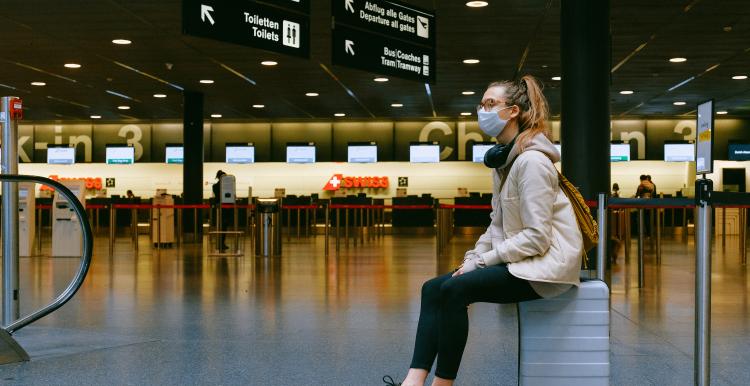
470	217
409	215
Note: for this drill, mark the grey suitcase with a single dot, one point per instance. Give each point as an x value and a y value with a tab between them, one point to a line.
565	340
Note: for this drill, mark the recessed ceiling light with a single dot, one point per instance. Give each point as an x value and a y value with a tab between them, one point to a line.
381	79
160	95
311	94
556	78
679	103
468	92
739	77
39	84
258	106
123	107
121	41
721	112
207	81
626	92
72	65
96	117
476	4
339	115
471	61
216	115
677	60
269	63
397	105
465	113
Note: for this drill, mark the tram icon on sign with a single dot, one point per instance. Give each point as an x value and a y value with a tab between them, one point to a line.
291	34
423	27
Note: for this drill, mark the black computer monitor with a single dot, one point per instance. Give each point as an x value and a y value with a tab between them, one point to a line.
239	153
174	153
117	154
362	152
61	154
424	152
300	152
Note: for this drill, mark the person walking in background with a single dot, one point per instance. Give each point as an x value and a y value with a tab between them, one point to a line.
615	190
532	247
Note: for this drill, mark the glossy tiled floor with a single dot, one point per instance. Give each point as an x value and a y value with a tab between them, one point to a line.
179	317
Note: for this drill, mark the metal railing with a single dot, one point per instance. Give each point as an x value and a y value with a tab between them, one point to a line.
83	267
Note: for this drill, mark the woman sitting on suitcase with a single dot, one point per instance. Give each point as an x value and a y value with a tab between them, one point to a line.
532	247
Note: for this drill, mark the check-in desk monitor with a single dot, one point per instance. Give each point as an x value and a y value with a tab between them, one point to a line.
240	153
478	149
120	154
362	152
619	152
26	218
424	152
738	151
67	236
61	155
300	153
174	153
679	151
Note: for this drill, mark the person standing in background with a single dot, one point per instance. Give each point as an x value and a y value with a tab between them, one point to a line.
645	189
653	186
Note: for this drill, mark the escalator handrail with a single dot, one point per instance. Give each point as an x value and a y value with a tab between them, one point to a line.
83	268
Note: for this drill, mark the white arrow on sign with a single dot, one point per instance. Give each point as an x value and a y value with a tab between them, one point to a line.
349	4
206	13
349	47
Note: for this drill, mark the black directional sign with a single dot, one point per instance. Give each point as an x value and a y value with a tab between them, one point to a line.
295	5
353	48
391	18
385	37
248	23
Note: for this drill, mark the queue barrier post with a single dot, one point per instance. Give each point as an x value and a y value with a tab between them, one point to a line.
658	213
743	236
601	248
338	221
327	226
724	228
641	225
111	229
702	354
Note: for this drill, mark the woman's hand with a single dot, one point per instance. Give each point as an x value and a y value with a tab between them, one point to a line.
459	271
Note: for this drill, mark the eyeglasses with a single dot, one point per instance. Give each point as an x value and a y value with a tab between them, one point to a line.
491	104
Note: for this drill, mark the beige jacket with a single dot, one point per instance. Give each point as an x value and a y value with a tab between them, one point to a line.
533	227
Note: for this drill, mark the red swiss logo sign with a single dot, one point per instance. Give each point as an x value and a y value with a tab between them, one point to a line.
339	181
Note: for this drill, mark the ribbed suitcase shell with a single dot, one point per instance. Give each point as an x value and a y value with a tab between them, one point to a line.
565	340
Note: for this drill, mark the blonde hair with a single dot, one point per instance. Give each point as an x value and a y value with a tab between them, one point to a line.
526	93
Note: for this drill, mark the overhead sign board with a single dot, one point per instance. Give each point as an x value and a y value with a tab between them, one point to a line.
248	23
704	163
356	49
294	5
391	18
385	37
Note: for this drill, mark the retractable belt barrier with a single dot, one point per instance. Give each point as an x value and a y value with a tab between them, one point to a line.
311	218
706	200
179	208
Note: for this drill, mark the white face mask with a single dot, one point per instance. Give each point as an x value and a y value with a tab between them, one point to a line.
490	122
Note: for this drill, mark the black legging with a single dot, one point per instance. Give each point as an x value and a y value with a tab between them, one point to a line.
444	320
